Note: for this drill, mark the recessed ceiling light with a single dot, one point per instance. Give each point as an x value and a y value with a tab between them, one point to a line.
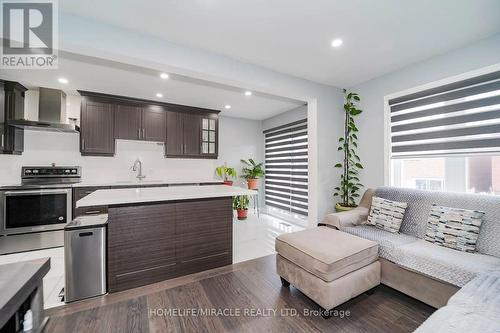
159	95
248	93
227	106
164	76
337	42
63	80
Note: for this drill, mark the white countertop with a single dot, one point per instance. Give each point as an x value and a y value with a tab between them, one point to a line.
156	194
117	183
147	182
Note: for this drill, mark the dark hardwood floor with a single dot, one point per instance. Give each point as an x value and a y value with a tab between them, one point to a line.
241	298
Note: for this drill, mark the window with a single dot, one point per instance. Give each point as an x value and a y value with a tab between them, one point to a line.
448	137
286	167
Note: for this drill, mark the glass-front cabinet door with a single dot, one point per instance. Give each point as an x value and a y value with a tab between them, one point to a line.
209	131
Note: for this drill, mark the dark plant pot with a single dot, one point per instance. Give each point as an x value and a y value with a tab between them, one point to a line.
340	208
242	214
252	183
228	182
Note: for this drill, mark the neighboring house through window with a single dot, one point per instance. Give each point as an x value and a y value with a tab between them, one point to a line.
448	137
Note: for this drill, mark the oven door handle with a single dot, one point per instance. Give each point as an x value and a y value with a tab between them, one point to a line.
35	192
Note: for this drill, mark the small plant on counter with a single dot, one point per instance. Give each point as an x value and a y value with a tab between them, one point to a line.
251	172
240	203
351	163
225	173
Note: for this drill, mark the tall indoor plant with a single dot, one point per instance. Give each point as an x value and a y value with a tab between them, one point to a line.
351	162
252	172
225	173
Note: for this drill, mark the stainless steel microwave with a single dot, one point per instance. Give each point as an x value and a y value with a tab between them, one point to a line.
34	210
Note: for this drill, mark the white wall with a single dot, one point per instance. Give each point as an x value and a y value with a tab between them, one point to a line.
285	117
93	38
239	139
371	122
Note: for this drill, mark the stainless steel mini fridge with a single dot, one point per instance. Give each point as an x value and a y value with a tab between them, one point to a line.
85	257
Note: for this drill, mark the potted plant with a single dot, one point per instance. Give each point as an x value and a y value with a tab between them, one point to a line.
251	172
240	203
225	172
351	162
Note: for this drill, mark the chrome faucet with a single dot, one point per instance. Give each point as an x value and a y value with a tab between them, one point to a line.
138	167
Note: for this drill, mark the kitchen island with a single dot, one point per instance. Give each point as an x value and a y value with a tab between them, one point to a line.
160	233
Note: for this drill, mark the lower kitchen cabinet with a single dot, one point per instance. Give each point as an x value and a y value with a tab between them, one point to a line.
149	243
80	192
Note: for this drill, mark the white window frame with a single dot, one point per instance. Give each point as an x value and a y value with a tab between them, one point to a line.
387	111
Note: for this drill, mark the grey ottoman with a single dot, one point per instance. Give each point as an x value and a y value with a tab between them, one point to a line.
327	265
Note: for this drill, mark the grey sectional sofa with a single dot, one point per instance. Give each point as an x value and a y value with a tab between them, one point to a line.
426	271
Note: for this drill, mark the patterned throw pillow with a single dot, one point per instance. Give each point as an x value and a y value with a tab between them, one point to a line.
386	214
454	227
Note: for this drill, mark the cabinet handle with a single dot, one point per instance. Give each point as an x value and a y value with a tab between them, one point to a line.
143	133
92	212
2	141
83	144
139	133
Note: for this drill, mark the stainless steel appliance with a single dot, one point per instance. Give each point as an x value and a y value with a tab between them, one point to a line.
34	213
85	257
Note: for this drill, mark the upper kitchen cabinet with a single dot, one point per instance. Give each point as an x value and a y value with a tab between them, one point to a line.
188	132
97	128
209	135
128	121
11	108
191	132
140	122
191	135
153	123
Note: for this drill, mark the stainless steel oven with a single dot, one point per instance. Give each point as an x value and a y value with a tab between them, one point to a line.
34	210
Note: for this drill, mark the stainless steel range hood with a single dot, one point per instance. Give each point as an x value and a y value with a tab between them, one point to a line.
52	113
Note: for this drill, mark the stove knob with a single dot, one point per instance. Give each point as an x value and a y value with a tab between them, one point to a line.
73	171
66	171
27	171
35	171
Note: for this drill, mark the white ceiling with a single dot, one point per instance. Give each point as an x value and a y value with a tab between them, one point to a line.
293	36
107	77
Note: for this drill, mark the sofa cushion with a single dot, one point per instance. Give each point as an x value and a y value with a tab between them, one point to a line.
455	228
326	252
482	293
386	214
442	263
387	241
455	319
474	308
419	204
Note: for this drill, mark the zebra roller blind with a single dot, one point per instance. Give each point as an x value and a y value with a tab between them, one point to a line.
286	167
458	118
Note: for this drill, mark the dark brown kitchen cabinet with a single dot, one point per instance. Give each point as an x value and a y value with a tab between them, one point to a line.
97	128
153	123
191	133
140	123
128	122
81	192
188	132
11	107
187	137
174	146
183	135
209	135
153	242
